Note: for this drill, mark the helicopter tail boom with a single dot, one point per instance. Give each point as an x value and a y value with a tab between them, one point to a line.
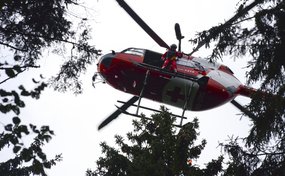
246	91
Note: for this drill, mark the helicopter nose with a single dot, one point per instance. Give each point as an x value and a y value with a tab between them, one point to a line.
106	60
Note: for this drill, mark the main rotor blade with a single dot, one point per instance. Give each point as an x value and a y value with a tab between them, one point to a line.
142	24
116	113
243	109
178	31
179	36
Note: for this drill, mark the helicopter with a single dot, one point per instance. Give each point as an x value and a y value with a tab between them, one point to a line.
197	85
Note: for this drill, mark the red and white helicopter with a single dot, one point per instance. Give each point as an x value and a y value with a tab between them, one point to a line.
198	84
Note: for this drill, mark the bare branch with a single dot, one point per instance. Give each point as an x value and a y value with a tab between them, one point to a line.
13	47
18	72
11	77
25	66
228	23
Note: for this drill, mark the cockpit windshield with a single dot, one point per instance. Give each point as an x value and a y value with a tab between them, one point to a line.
134	51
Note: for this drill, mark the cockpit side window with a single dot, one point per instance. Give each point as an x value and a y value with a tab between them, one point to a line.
186	63
191	64
199	66
153	58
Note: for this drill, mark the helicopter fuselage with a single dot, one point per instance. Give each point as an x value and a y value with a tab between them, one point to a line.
198	85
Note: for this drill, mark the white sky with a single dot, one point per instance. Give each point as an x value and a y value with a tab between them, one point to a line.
75	118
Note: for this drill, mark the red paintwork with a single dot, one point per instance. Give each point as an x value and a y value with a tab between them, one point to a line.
121	71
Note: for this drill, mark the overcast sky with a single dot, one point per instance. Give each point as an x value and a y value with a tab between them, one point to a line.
75	118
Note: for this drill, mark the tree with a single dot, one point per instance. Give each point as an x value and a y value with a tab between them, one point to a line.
257	29
156	148
27	28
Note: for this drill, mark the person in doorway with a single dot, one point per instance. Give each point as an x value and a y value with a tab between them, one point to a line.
170	58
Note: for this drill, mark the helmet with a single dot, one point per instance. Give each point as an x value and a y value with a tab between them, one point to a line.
173	47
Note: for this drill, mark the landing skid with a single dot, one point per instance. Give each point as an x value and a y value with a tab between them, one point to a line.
150	109
202	81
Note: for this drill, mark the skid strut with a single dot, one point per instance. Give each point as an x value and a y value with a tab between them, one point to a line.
142	91
186	102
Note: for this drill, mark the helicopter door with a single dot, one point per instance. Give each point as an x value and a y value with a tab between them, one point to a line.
153	58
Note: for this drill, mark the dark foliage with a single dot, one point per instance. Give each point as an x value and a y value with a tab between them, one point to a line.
257	29
27	160
156	148
27	28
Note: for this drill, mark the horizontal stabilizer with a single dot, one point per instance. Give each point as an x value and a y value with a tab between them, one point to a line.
243	109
